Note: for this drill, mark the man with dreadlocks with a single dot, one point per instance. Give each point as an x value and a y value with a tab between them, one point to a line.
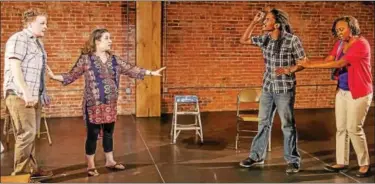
281	49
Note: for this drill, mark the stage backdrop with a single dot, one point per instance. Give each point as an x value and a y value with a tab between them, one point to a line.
200	47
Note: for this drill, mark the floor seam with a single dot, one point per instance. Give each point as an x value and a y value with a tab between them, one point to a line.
316	158
148	150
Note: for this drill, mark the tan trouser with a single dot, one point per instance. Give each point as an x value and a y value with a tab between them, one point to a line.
26	121
350	117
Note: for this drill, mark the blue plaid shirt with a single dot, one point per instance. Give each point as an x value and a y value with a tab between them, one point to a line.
287	55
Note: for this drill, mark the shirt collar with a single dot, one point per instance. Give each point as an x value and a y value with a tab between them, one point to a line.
29	33
109	55
282	35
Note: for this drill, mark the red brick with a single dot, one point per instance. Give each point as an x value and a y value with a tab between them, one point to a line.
203	55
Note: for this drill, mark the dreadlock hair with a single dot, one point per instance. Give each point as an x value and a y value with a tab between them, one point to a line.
282	19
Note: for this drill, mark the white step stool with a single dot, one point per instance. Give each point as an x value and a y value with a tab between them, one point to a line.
197	126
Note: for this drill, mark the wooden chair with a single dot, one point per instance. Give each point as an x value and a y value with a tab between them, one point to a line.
9	127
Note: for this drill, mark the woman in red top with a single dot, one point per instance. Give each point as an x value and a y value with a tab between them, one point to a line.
102	70
350	58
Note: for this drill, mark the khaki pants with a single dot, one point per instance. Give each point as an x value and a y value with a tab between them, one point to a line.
350	117
26	121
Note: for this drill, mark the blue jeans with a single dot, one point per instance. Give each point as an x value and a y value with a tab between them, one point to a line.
284	103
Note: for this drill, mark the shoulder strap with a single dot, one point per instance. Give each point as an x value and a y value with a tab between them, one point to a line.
334	71
339	49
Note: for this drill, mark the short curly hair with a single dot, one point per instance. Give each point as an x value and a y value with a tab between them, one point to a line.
30	15
352	23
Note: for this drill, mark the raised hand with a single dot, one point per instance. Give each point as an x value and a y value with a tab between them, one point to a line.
158	72
259	16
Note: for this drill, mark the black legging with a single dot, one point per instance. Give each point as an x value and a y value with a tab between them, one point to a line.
92	136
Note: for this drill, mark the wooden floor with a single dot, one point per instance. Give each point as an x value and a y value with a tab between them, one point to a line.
143	144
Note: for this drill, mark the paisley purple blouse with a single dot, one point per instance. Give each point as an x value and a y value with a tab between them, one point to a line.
101	85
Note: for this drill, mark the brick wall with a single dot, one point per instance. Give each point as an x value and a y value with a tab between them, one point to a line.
69	26
200	47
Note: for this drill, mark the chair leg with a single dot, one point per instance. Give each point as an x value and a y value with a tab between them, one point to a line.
269	142
196	130
200	123
237	134
6	128
172	125
236	143
47	130
175	130
175	124
200	128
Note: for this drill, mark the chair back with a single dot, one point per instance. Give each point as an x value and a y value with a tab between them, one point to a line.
249	95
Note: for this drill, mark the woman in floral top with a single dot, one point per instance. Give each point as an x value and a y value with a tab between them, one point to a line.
102	71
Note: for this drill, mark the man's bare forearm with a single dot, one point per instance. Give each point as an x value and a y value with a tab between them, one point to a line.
296	68
246	37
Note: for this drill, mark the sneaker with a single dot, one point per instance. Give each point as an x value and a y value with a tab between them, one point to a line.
292	168
248	162
41	174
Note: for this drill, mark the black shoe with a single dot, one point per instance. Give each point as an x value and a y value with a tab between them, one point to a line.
365	174
335	169
292	168
248	162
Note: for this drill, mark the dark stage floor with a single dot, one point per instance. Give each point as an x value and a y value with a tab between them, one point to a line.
143	144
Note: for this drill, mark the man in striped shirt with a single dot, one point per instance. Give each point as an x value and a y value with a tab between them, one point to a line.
24	72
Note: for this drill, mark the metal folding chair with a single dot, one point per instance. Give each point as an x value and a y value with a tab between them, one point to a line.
197	125
250	95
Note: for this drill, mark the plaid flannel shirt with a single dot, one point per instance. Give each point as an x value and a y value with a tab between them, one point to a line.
24	47
290	52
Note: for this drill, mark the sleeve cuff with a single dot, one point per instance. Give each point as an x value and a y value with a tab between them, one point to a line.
65	79
142	74
15	56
